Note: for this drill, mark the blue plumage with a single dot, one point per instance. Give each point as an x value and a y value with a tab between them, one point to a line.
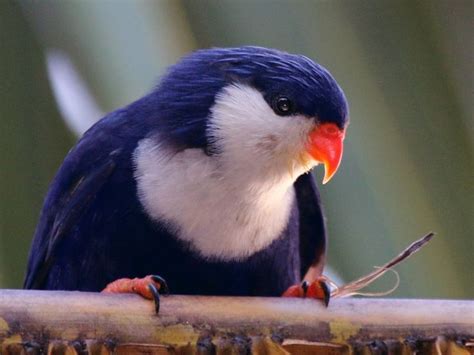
93	228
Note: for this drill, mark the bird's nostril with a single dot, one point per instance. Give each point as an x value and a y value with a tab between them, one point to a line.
331	129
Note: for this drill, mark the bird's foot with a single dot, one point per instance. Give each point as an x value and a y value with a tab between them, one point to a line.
149	287
318	289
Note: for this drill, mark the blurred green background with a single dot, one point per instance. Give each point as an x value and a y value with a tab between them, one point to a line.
406	68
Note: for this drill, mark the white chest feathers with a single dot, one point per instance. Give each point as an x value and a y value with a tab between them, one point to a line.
235	203
220	218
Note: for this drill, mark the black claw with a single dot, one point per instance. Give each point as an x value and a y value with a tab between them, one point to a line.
163	285
156	297
327	292
304	286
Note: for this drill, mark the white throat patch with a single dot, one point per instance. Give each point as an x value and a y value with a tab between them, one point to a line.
230	205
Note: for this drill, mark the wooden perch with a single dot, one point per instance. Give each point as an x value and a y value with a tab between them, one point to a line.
80	322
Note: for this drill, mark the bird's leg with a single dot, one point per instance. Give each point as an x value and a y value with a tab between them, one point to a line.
149	287
318	289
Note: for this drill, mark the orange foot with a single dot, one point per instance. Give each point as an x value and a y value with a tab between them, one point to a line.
317	289
149	287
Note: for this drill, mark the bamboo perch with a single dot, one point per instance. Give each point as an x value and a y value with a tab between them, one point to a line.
80	322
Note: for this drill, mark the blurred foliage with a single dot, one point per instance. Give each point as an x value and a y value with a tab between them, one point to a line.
33	140
405	67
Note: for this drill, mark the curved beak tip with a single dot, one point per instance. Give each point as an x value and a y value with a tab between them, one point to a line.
327	175
329	171
326	146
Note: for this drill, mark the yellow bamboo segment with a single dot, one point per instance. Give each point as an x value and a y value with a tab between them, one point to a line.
81	322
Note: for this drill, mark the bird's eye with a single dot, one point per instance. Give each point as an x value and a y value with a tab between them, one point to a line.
283	106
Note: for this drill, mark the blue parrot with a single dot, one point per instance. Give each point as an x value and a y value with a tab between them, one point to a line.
205	181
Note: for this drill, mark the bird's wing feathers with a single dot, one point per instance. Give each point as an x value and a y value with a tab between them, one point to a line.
311	223
63	209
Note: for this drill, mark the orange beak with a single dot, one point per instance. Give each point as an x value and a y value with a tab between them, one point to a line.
325	145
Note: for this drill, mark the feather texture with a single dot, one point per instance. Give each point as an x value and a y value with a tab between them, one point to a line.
200	181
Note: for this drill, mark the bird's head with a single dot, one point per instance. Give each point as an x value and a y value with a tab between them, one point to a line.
260	108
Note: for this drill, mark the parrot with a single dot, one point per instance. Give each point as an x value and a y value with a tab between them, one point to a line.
203	186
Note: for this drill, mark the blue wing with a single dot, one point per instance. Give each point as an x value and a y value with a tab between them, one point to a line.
311	223
84	174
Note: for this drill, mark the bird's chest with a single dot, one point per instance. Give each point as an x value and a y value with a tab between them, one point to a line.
225	225
219	217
